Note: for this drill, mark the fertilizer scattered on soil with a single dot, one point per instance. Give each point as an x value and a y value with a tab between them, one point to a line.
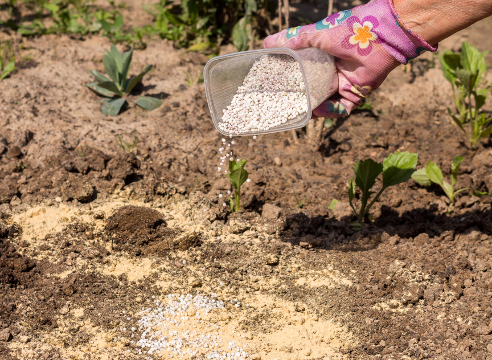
174	328
272	93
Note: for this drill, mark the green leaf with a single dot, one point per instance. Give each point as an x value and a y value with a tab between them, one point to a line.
113	107
466	78
127	59
449	63
111	86
479	193
366	173
434	173
202	22
251	6
237	174
134	81
118	22
449	190
99	77
474	61
52	8
486	132
10	67
110	67
328	123
333	203
241	34
420	177
148	103
480	98
455	167
115	54
398	168
99	90
201	46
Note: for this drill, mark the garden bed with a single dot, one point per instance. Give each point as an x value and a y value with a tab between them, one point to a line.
90	235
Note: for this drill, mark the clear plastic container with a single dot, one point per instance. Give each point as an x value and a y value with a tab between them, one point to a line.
223	75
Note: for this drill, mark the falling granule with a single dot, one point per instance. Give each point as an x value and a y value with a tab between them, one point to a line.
272	94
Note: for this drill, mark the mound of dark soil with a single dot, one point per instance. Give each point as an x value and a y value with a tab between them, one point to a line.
140	230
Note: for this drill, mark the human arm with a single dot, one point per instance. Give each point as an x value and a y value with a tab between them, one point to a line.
369	41
435	20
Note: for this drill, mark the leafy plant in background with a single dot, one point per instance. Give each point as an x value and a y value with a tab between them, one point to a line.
431	173
466	73
237	176
396	168
117	87
7	60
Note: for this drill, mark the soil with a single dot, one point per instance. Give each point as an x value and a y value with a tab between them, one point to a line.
91	235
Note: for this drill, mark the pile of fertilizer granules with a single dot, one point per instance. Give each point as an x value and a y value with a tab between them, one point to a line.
272	93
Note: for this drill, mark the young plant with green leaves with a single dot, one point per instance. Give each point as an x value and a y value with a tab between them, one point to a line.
466	73
118	87
431	173
237	176
395	169
7	60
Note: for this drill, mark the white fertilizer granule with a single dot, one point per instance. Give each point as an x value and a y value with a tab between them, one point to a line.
272	93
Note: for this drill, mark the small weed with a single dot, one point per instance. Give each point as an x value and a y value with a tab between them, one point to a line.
128	147
81	152
466	73
396	168
431	173
237	176
116	88
300	202
193	77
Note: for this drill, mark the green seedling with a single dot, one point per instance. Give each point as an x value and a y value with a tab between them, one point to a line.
300	202
117	87
431	173
7	60
128	147
237	176
396	168
466	73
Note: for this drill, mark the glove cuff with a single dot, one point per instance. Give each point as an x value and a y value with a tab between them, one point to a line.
398	40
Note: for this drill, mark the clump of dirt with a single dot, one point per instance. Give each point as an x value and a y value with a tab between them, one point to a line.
142	230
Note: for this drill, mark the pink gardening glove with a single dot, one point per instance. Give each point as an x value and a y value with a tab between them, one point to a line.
369	41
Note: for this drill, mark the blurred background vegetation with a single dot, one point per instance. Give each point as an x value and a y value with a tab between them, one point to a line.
197	25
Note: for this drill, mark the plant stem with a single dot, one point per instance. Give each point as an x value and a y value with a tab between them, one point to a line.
237	194
279	15
472	123
364	209
330	7
287	13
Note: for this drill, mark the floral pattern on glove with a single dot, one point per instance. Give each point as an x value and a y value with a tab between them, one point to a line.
336	107
293	32
333	20
360	90
363	34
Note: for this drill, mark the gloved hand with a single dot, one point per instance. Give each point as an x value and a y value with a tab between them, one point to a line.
369	41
